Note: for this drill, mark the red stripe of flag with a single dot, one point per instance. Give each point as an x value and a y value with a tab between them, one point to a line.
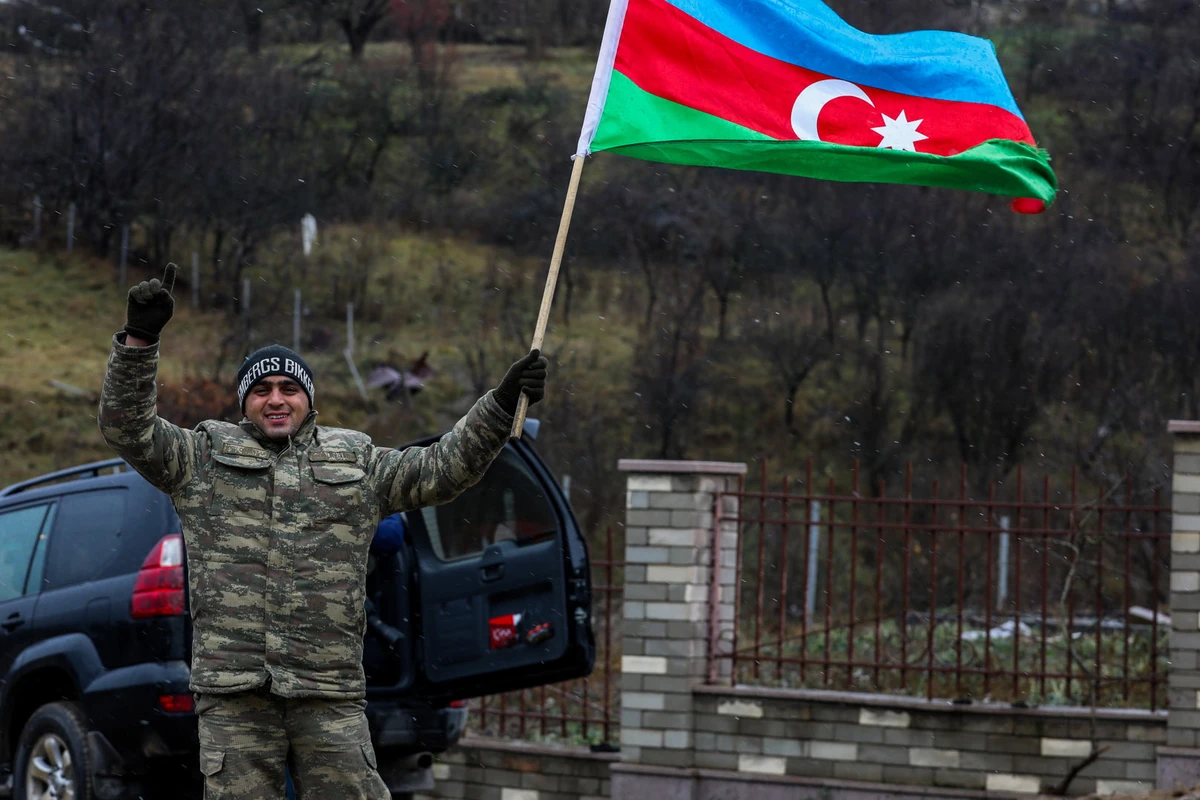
670	54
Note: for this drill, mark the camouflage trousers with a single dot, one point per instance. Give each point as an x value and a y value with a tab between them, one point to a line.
247	738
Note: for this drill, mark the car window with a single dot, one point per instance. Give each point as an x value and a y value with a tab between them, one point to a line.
33	583
508	503
19	533
88	538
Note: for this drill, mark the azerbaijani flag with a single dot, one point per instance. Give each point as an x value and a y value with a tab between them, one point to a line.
787	86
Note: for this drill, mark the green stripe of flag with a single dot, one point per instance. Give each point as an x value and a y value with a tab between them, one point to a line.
641	125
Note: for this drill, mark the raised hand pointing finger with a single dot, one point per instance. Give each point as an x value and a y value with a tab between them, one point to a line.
168	278
150	306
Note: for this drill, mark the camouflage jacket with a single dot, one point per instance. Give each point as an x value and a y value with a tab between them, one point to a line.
277	532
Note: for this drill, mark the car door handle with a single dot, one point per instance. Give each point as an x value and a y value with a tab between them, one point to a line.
492	572
14	621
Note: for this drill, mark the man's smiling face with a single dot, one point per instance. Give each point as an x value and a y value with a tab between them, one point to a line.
278	406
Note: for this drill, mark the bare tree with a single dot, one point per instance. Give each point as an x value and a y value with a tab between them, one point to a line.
724	238
990	363
670	366
356	18
538	21
104	128
253	17
790	338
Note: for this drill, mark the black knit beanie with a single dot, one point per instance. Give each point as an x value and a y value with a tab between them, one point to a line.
273	360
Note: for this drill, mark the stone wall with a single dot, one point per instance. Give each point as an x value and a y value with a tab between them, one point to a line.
490	769
1179	760
874	739
676	570
761	744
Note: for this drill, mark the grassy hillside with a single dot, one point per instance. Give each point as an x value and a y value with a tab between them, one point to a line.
424	295
58	316
471	307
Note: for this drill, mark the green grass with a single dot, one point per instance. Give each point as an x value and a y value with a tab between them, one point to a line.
59	315
478	67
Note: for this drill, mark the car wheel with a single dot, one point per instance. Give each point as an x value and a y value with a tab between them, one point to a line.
51	761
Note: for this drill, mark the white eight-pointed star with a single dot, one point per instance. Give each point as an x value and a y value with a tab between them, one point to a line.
900	133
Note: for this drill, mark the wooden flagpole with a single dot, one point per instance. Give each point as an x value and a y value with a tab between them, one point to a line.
560	244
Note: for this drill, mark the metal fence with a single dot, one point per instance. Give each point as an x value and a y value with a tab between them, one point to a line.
1036	594
584	711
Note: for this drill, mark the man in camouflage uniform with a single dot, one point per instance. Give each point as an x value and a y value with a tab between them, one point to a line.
278	514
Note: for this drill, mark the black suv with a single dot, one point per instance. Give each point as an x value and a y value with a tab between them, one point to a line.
490	593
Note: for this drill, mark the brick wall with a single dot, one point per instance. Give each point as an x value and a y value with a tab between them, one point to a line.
760	744
1179	761
887	740
673	576
489	769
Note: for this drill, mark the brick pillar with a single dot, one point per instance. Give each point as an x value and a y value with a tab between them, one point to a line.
669	579
1179	760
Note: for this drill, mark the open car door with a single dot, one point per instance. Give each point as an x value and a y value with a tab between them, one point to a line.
502	585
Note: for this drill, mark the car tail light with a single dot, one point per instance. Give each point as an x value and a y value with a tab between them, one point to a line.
458	703
175	703
158	591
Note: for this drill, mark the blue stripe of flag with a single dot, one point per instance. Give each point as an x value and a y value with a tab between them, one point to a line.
807	33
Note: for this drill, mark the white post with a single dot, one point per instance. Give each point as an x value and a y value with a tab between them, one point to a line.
246	309
349	351
814	552
308	233
566	487
1002	579
195	279
124	254
296	323
37	216
71	228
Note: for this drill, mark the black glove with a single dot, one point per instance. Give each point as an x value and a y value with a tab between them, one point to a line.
527	375
150	306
